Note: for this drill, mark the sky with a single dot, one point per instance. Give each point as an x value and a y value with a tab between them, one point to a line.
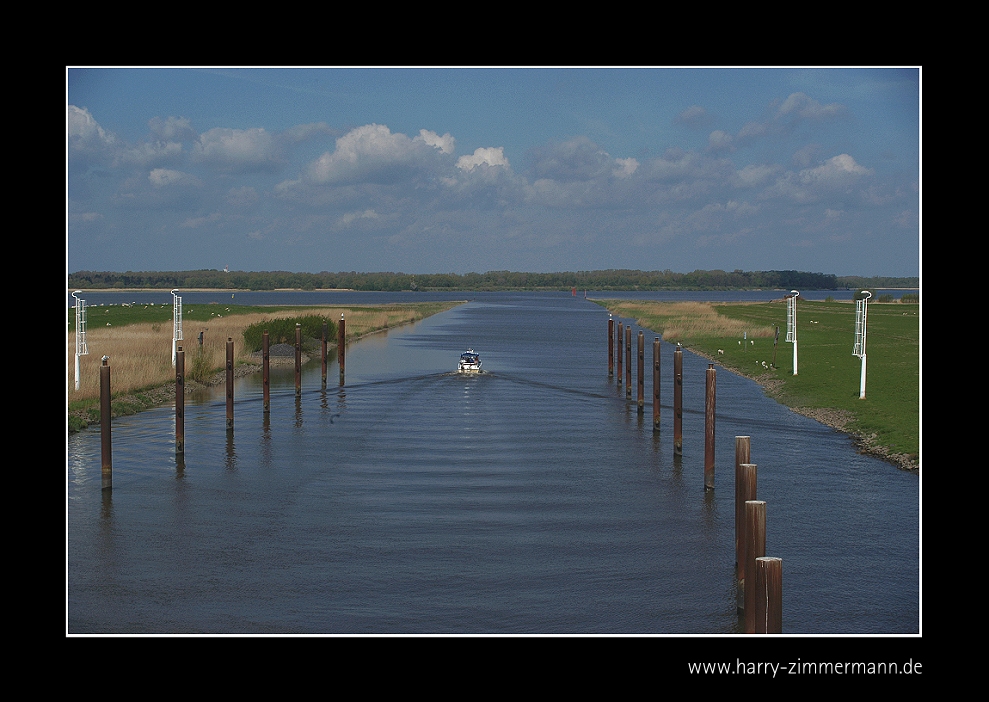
475	169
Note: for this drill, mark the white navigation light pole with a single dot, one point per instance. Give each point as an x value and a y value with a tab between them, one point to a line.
176	322
81	348
791	324
861	313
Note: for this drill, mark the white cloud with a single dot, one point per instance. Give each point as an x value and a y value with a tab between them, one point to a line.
444	143
695	115
85	132
719	141
172	129
164	177
838	169
755	176
625	167
375	154
351	217
238	150
493	156
801	105
811	184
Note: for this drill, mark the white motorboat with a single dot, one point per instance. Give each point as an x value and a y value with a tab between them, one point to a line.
470	362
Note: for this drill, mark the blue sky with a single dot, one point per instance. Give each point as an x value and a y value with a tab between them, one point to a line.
437	170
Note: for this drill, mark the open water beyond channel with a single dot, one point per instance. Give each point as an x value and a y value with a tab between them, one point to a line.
532	498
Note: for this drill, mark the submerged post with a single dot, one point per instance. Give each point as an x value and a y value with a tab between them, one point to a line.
611	346
298	358
768	595
755	547
265	374
655	384
105	441
709	414
342	345
179	400
678	401
230	383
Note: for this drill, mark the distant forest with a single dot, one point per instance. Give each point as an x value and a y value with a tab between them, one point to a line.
492	280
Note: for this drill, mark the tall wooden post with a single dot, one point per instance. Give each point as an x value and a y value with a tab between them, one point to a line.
655	384
342	345
709	414
265	371
179	401
611	346
678	401
769	595
641	380
628	362
298	358
755	547
105	439
746	493
230	384
621	349
743	452
323	349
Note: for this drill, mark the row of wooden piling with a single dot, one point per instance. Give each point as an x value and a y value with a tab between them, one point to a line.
758	577
105	393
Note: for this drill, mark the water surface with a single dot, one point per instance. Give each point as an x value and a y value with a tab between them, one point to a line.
532	498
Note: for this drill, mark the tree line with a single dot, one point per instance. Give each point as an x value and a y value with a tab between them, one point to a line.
492	280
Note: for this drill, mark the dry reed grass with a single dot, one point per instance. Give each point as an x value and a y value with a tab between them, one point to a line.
141	354
678	321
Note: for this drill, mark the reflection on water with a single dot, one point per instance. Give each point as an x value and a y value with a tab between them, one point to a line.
530	498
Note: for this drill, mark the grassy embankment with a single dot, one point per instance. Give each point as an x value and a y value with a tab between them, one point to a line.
138	340
886	422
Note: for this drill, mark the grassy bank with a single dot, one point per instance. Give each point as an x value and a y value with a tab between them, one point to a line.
740	337
138	340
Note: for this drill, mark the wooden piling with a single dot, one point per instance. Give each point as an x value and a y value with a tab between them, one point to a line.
641	379
678	401
768	595
710	394
342	345
323	354
621	349
655	384
230	384
106	450
628	362
755	547
179	401
743	452
611	346
298	358
265	371
746	492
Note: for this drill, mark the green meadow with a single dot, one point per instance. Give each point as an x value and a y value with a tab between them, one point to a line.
741	337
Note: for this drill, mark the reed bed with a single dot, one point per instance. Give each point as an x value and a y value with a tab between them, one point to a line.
141	354
680	321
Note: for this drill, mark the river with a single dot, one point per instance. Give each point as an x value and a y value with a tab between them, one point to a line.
530	499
